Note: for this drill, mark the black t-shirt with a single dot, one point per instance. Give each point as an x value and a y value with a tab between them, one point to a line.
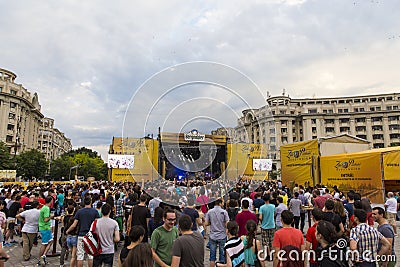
124	253
139	217
333	218
13	210
193	215
234	195
232	212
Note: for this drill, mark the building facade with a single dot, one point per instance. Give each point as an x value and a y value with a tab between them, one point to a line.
284	120
52	142
20	115
21	120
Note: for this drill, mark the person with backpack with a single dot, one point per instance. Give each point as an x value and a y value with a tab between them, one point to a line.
85	218
108	231
30	228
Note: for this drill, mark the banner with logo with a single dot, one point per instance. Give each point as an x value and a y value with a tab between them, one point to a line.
296	160
360	172
240	160
391	165
145	152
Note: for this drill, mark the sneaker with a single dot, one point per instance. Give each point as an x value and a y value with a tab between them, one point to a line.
7	245
13	242
43	258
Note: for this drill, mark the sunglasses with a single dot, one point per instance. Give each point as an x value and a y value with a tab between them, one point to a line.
171	220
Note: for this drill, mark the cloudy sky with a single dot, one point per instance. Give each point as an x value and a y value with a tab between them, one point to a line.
125	68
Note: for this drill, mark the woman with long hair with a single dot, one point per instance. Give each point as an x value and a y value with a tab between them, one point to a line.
332	253
339	210
251	245
135	236
140	256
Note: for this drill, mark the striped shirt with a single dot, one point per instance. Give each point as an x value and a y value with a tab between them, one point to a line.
235	249
367	239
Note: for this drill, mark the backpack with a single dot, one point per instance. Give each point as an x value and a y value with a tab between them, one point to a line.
91	241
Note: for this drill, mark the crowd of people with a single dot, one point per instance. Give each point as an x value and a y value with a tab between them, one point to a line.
161	223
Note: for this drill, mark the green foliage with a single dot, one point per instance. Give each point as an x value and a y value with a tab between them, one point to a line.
31	163
6	162
89	162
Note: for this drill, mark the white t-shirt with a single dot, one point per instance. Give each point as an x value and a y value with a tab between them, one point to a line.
31	221
391	204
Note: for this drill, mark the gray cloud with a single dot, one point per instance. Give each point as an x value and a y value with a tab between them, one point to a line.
87	59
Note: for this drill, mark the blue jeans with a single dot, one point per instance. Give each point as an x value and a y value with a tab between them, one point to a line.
213	249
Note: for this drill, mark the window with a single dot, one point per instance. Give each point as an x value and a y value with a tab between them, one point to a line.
380	145
363	136
1	89
312	111
330	110
388	107
11	115
394	127
393	118
283	122
324	111
361	128
313	121
355	109
394	107
272	131
9	138
360	119
344	120
346	110
372	109
284	130
378	108
314	129
377	127
340	110
13	92
344	129
284	139
377	136
329	121
10	127
362	109
272	139
13	105
393	136
376	119
329	129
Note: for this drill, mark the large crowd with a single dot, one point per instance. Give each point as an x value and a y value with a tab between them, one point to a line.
236	223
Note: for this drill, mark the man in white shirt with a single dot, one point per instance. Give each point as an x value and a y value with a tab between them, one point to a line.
391	209
30	228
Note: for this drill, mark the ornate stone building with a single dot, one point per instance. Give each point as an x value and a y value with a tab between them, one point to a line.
284	120
21	120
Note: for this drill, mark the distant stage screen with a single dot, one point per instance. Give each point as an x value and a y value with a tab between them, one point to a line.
121	161
262	164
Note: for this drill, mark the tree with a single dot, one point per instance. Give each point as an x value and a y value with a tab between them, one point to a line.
6	162
31	164
61	167
89	162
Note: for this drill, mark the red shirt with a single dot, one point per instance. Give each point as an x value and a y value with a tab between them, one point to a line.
319	202
252	195
242	218
288	236
203	200
42	202
23	201
310	237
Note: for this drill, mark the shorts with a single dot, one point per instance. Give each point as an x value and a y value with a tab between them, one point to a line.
80	251
10	223
47	236
391	217
267	235
72	241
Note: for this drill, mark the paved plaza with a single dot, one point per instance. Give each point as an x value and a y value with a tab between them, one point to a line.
15	253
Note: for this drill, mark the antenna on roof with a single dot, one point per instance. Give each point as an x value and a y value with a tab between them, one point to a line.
283	91
268	94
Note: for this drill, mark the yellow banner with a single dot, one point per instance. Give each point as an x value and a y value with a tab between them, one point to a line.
145	161
240	160
8	175
296	160
360	172
391	165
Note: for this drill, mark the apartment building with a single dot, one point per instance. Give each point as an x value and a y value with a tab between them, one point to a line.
52	142
284	120
21	121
